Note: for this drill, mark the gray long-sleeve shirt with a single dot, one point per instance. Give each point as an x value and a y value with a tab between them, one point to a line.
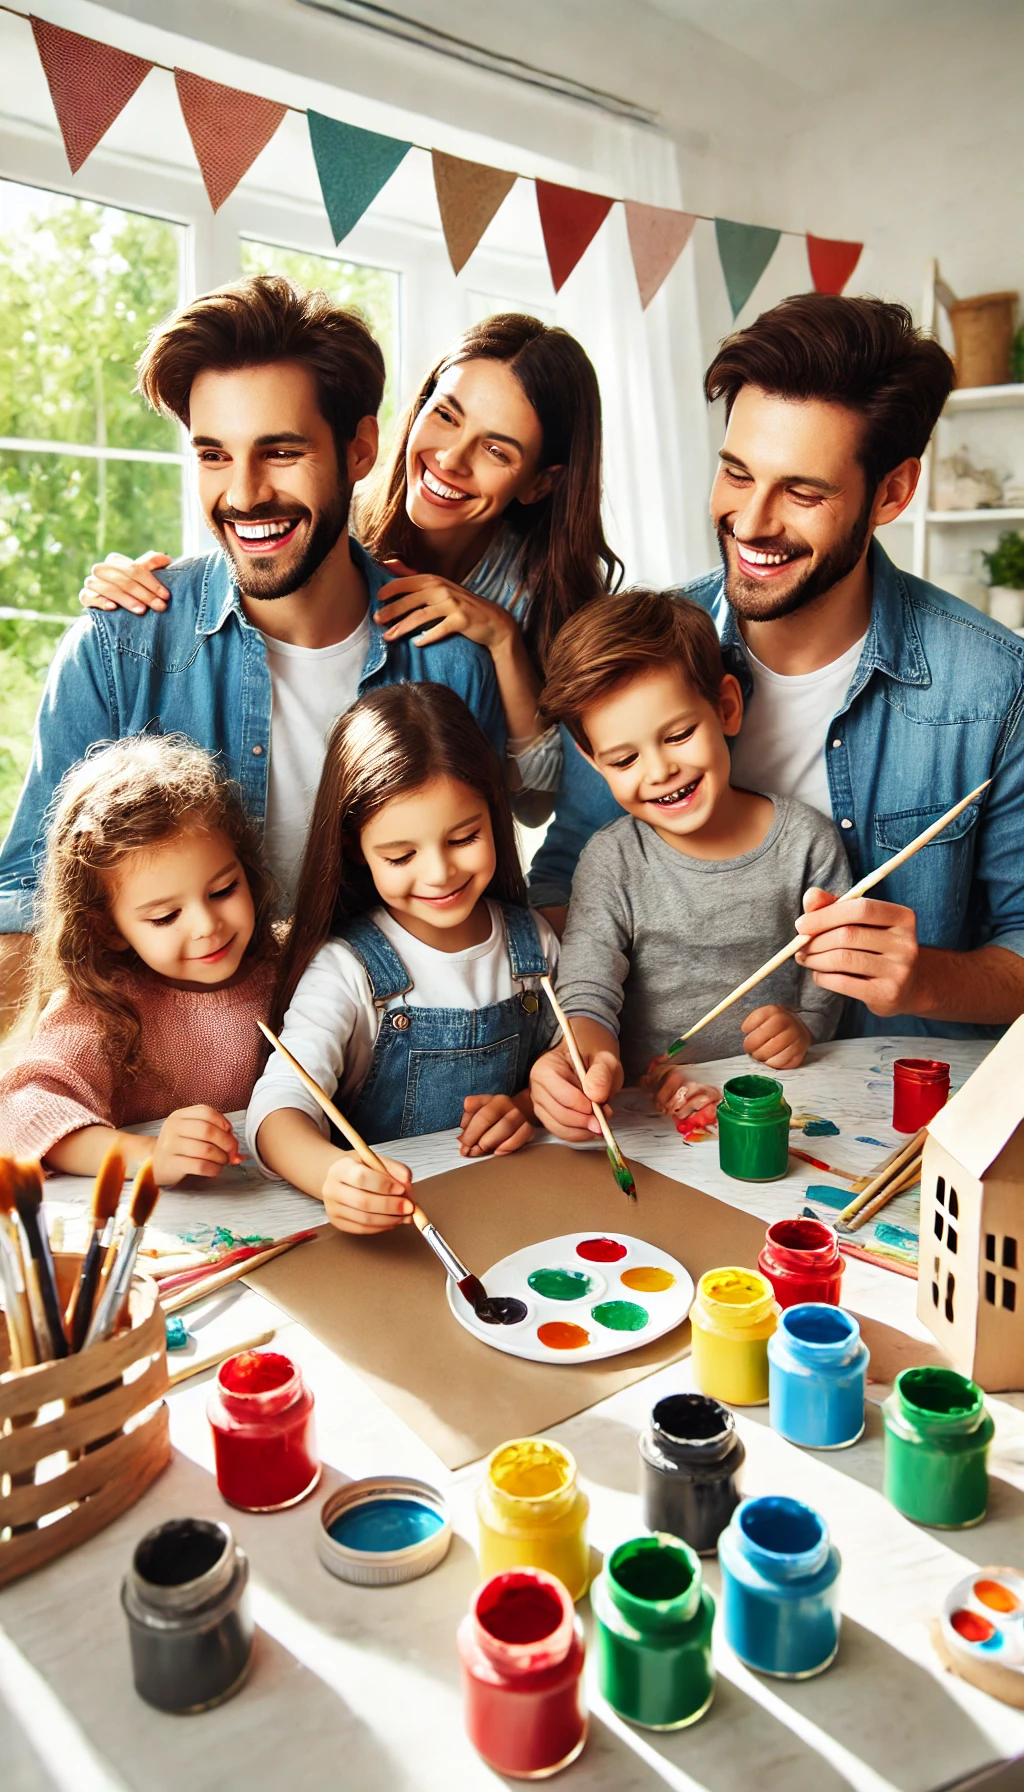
655	939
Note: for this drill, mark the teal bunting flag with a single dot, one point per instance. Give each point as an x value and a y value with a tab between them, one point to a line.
744	251
352	166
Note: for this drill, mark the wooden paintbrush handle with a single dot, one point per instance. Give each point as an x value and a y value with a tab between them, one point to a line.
906	1179
213	1284
345	1127
890	1169
574	1052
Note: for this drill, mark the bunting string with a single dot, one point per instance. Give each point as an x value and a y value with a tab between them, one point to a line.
91	83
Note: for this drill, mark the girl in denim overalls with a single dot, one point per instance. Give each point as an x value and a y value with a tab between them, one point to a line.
410	980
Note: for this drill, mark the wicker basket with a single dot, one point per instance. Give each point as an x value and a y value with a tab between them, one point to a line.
71	1416
983	333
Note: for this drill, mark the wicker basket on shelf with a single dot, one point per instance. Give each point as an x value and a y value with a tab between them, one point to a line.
71	1458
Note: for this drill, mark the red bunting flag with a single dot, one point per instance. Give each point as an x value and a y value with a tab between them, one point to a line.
657	238
90	85
228	129
832	262
570	220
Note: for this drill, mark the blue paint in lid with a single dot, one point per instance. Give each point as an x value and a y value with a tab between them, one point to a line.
377	1526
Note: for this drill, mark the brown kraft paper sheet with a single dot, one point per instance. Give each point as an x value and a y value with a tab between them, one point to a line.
380	1303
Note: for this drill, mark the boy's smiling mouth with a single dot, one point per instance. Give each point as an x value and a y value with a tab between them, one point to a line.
680	798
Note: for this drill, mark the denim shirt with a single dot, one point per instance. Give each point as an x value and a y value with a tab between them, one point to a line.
933	709
200	669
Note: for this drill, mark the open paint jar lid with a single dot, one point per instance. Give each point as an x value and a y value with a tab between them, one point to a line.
386	1529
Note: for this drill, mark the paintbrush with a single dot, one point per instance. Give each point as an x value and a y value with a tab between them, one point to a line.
20	1336
620	1168
105	1196
40	1274
145	1195
184	1278
893	1166
817	1163
200	1363
184	1297
859	889
907	1177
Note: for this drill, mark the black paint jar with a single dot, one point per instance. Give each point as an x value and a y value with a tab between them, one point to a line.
690	1458
189	1619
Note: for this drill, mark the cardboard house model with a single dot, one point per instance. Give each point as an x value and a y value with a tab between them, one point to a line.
970	1278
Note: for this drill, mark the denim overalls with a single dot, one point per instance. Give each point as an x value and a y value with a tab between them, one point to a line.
427	1060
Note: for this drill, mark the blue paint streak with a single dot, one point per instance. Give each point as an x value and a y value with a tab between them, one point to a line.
820	1129
380	1525
861	1140
830	1197
901	1236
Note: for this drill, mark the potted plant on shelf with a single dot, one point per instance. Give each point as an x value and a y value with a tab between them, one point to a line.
1006	572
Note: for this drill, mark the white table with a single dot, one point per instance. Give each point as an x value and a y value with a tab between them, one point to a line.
358	1688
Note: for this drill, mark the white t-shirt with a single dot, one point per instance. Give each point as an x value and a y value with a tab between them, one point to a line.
781	745
331	1024
310	688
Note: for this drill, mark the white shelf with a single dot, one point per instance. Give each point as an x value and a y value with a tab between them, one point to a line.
985	398
992	515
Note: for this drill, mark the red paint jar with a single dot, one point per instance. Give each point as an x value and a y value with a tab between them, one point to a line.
521	1649
802	1261
264	1440
920	1087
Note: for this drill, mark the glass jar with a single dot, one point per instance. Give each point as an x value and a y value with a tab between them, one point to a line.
521	1650
533	1515
753	1129
733	1315
937	1435
264	1439
920	1087
802	1261
780	1588
652	1633
689	1460
189	1620
817	1377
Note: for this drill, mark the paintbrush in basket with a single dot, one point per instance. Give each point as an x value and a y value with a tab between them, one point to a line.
20	1335
114	1293
493	1309
859	889
620	1168
40	1275
105	1196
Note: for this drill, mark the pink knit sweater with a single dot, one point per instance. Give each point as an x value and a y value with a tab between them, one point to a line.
200	1046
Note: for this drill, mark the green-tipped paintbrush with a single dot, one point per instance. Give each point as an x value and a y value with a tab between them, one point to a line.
620	1168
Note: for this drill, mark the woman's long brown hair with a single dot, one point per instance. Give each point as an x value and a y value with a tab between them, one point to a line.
122	799
389	744
564	557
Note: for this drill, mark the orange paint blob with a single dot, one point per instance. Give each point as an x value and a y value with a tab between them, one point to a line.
648	1279
972	1627
997	1597
558	1334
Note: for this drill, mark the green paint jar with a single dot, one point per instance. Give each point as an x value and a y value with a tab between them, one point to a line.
937	1434
653	1633
753	1129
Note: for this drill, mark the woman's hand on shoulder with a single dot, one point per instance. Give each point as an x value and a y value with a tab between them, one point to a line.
193	1142
118	583
495	1123
431	608
358	1199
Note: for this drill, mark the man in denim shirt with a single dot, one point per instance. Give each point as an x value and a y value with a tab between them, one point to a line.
270	639
871	694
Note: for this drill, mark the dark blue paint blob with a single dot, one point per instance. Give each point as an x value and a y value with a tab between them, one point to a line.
820	1129
380	1525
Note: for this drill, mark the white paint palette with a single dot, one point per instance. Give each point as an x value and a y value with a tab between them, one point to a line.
983	1618
588	1296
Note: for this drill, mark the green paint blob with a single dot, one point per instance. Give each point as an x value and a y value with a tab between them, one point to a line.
560	1284
620	1315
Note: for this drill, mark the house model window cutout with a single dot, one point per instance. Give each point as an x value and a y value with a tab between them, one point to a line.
970	1278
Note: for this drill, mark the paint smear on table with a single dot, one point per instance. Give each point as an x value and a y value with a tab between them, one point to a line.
973	1628
601	1250
386	1524
827	1195
560	1284
821	1129
863	1140
620	1315
997	1597
558	1334
648	1279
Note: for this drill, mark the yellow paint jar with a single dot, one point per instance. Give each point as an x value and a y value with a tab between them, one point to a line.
732	1318
533	1515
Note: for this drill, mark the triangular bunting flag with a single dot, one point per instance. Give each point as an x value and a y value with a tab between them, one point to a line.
352	166
228	129
90	84
744	251
570	220
832	262
468	195
657	238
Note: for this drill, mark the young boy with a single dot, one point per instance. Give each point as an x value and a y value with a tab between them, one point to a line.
697	884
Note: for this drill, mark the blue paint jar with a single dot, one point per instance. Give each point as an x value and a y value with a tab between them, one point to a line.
780	1588
817	1372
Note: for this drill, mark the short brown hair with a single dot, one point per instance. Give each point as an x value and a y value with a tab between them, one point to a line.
261	320
625	636
863	353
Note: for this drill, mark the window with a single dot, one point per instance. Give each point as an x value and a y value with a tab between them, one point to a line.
990	1247
938	1224
954	1205
950	1291
990	1288
940	1192
1009	1253
951	1240
1009	1294
935	1282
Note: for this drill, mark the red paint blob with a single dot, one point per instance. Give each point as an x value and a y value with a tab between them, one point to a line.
256	1372
601	1250
972	1627
521	1615
558	1334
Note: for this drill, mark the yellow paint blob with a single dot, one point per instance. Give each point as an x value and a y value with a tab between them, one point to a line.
530	1469
648	1279
731	1320
532	1514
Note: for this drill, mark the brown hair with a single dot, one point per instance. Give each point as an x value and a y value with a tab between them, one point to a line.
261	320
122	799
862	353
390	743
564	558
622	637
